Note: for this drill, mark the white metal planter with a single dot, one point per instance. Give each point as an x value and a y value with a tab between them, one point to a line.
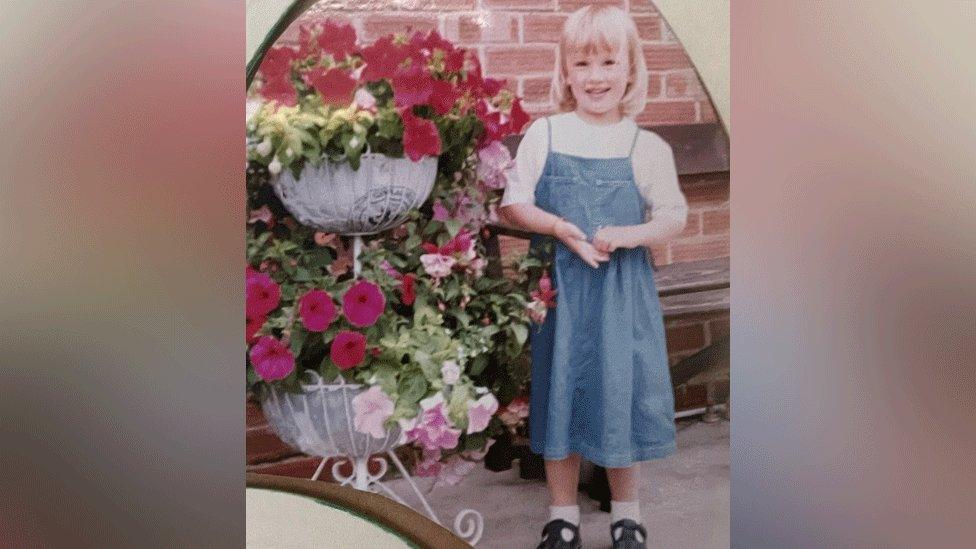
334	198
319	422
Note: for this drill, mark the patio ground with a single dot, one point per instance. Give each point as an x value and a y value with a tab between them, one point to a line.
684	499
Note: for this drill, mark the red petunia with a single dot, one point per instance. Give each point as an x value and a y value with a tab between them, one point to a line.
444	95
518	118
317	310
412	85
363	303
334	85
251	327
348	349
338	40
420	136
272	360
277	61
262	295
408	292
279	88
382	59
546	294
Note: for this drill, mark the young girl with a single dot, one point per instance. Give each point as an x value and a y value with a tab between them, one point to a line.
604	189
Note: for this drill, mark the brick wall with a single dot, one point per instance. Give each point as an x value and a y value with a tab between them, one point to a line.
516	40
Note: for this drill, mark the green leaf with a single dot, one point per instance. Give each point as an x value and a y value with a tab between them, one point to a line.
521	333
412	388
297	339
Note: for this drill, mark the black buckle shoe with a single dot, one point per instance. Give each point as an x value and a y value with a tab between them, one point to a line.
627	534
553	538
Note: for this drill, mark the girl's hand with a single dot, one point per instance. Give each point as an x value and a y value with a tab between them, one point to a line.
566	231
590	255
609	239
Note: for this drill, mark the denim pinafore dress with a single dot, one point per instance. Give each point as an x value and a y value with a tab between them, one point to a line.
600	383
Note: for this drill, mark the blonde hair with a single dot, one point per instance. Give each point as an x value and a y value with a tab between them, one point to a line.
601	28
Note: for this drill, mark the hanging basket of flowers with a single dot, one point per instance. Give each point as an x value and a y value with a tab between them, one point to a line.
351	135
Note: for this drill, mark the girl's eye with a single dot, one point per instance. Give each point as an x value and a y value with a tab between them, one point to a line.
580	64
610	62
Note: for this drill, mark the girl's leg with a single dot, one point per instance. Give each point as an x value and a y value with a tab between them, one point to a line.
562	477
623	482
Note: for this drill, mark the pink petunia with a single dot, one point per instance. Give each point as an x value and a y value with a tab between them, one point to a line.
363	303
440	212
348	349
317	310
494	161
480	412
453	470
272	360
262	295
372	408
433	429
436	265
420	136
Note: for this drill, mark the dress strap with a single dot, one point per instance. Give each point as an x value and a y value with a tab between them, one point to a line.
633	144
549	131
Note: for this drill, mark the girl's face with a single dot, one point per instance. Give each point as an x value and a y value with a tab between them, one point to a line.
598	81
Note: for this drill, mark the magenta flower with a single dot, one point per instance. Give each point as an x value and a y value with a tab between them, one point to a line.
252	325
480	412
317	310
440	212
433	429
372	408
348	349
272	360
262	295
363	303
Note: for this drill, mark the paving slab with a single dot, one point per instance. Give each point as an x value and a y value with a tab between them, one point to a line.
684	499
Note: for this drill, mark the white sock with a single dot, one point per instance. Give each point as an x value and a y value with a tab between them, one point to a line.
620	510
569	513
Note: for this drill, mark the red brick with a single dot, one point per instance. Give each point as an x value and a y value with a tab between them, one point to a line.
663	57
715	221
518	4
690	397
262	445
542	27
517	61
662	254
254	417
654	85
706	111
299	466
648	26
392	5
690	337
573	5
707	196
536	89
693	225
493	27
718	328
694	251
642	6
684	83
375	26
668	112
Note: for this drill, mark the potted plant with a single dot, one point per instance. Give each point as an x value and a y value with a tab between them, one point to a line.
423	347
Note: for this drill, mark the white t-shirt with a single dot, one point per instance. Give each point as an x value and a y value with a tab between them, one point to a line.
653	161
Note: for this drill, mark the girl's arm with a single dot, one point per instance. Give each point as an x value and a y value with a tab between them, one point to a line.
654	232
532	218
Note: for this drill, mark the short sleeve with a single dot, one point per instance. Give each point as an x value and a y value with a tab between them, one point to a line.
657	178
527	168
